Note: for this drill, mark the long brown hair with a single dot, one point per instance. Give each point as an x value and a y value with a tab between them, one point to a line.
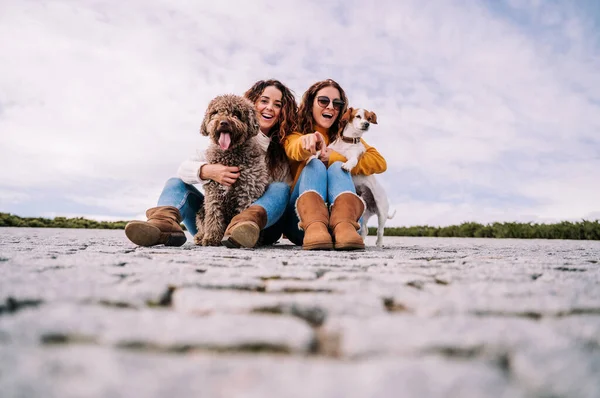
285	124
306	121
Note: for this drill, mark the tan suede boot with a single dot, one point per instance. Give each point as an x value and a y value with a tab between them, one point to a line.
345	212
162	227
314	217
244	229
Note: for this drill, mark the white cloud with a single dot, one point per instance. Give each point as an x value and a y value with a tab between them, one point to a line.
10	196
501	103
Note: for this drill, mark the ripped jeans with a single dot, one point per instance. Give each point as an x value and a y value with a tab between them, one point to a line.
188	199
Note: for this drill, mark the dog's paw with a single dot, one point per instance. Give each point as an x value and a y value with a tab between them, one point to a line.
211	241
198	239
347	166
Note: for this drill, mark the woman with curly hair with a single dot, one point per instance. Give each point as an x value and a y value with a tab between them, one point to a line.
258	224
309	221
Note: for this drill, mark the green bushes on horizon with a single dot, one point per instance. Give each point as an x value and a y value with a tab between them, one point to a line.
10	220
582	230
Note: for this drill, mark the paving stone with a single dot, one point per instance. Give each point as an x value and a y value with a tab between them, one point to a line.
534	354
405	334
569	371
156	329
67	372
584	329
533	300
202	301
86	313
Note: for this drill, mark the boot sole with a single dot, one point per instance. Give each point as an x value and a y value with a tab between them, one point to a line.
144	234
349	247
173	238
245	234
318	246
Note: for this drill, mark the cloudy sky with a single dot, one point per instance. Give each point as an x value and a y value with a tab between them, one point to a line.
488	110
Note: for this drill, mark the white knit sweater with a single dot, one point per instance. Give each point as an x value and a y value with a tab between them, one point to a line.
189	170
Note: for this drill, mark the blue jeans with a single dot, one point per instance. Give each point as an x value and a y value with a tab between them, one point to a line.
188	199
328	182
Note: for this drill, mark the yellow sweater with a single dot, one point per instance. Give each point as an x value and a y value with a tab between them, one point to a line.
371	162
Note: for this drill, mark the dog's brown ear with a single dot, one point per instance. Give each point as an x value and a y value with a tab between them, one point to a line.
205	120
346	115
253	121
203	129
371	117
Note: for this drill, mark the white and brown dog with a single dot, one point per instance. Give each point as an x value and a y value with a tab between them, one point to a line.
367	187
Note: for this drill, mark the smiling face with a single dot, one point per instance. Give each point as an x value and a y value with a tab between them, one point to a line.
268	108
325	115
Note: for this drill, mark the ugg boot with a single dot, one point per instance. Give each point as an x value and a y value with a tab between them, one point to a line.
314	217
162	227
244	229
346	210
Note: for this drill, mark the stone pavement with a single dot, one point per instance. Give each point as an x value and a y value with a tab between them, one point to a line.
85	313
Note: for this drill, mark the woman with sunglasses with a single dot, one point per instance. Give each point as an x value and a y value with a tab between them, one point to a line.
321	181
180	200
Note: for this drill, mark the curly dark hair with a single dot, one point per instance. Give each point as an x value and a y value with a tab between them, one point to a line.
305	121
285	124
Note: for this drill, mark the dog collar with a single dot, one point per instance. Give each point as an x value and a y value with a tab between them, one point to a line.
351	140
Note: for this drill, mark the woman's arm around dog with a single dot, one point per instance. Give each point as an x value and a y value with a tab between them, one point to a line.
370	162
196	171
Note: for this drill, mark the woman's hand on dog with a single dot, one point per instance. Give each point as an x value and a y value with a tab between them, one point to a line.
224	175
324	155
312	142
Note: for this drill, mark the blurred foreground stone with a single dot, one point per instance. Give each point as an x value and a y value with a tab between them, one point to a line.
85	313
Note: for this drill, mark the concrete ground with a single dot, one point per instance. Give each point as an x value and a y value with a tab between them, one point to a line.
85	313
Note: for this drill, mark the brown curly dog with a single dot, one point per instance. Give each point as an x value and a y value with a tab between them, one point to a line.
230	122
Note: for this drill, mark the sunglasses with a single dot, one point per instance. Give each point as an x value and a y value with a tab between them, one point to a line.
324	101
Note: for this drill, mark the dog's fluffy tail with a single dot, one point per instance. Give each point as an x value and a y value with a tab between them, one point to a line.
392	215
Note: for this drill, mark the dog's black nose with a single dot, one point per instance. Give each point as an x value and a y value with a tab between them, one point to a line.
224	123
